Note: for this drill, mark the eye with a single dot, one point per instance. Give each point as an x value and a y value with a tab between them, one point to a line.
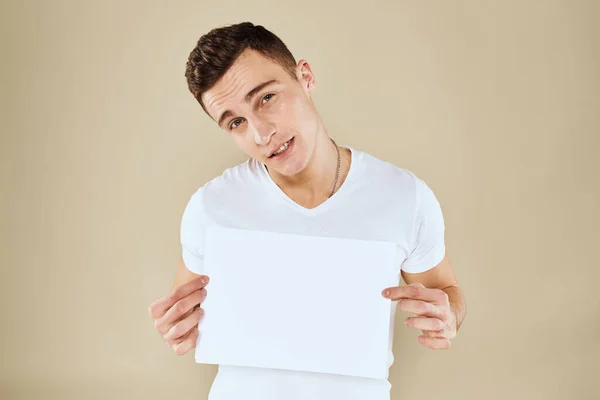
267	97
235	123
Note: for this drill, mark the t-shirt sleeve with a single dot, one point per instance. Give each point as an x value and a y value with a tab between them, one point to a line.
429	246
193	223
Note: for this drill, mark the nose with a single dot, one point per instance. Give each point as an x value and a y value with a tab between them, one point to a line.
263	131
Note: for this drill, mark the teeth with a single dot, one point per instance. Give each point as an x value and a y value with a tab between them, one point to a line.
282	148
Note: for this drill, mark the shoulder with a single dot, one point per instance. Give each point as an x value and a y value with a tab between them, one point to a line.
394	183
231	183
232	178
387	174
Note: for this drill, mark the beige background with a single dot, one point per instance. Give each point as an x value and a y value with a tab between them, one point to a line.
495	104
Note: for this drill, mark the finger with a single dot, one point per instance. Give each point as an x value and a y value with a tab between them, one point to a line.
162	305
434	343
184	326
188	343
434	334
416	292
180	310
424	323
421	308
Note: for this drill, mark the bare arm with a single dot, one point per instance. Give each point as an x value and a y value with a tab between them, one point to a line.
436	300
177	314
183	275
442	277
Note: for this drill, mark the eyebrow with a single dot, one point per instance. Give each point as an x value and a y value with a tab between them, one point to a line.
247	98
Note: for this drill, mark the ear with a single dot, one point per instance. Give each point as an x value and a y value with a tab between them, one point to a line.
306	77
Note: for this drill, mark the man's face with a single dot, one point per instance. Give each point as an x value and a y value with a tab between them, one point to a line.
262	108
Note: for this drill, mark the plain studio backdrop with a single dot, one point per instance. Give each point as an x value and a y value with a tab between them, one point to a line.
495	104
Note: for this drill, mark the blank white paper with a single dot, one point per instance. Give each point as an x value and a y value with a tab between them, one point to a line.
296	302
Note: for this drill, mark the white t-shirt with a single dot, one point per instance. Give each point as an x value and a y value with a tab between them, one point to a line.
377	201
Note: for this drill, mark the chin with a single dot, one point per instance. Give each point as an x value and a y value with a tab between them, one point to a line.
290	167
286	170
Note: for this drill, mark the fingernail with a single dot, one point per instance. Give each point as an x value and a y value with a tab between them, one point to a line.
205	280
386	293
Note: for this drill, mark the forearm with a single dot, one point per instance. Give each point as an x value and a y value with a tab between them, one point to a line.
457	304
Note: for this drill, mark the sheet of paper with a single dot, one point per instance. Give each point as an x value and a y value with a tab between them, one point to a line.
297	302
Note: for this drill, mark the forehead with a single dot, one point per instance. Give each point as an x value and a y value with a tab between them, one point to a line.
248	71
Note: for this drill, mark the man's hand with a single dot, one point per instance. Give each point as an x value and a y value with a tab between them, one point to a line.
177	315
435	317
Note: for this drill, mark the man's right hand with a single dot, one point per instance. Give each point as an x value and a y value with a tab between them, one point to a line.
177	315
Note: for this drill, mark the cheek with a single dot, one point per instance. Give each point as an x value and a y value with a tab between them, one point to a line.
245	142
295	113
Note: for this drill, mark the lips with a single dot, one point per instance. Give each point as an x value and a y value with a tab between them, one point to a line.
280	148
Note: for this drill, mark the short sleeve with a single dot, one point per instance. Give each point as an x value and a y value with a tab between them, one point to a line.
193	223
429	246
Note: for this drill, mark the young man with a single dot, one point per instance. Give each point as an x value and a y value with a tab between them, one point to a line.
298	180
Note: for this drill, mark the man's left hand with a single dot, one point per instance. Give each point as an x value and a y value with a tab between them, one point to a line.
434	316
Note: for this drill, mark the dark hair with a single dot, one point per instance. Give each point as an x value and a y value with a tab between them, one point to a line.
217	50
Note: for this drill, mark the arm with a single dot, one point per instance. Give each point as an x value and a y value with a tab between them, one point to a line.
432	293
183	275
176	315
442	277
437	302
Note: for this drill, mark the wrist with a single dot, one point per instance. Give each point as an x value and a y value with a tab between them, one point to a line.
456	300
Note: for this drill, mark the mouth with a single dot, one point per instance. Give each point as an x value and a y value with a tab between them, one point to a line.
282	150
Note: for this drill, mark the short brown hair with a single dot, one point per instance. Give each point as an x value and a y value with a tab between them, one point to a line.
217	50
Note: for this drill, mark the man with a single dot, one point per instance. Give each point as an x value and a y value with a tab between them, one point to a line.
298	180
